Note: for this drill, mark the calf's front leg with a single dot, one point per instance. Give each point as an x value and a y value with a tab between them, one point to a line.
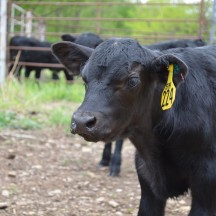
150	205
203	189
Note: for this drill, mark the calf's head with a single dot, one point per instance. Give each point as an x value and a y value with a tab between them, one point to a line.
121	80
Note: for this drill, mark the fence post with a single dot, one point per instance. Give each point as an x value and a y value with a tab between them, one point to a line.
3	39
201	19
98	25
213	23
28	25
40	30
12	22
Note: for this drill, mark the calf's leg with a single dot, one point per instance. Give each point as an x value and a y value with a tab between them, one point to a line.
106	155
55	75
115	165
150	205
38	73
203	189
27	72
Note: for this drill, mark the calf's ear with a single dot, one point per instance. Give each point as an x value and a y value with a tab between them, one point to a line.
161	65
200	42
71	55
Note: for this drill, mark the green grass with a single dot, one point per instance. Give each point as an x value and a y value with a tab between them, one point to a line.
28	93
6	118
29	105
59	118
16	121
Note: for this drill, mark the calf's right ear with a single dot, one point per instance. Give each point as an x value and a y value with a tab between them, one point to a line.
161	64
71	55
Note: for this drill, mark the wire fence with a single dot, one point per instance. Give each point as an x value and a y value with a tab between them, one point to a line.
58	18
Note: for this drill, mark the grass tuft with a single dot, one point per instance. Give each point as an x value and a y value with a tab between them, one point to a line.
52	102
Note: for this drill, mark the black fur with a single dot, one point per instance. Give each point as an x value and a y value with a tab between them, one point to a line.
170	44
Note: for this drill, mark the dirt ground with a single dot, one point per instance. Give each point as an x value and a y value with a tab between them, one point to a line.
51	173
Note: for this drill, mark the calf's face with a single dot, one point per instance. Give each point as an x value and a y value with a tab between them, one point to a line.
110	95
119	79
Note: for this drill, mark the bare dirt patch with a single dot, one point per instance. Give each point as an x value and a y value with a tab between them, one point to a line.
51	173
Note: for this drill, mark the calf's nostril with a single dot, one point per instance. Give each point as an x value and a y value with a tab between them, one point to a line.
82	122
91	122
73	127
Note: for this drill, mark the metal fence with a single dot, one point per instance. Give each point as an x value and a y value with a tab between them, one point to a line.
97	21
57	18
3	38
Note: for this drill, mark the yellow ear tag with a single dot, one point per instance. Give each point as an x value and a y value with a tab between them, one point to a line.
169	92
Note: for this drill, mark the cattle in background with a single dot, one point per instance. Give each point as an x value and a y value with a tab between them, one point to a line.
35	57
86	39
170	44
164	102
68	37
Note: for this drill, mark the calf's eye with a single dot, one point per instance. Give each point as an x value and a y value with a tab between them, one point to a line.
133	82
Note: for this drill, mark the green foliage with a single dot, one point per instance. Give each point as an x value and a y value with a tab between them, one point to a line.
60	118
15	121
32	105
25	124
29	93
145	31
6	118
164	29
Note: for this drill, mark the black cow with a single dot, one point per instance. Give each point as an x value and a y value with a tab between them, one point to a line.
35	57
86	39
170	44
174	134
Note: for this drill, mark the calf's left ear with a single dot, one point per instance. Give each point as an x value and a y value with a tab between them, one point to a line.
71	55
161	64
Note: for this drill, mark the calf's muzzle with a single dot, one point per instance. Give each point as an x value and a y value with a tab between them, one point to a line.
82	122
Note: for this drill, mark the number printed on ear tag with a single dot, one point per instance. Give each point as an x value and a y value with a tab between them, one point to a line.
169	92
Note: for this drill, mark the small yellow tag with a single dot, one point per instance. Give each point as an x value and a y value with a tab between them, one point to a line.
169	92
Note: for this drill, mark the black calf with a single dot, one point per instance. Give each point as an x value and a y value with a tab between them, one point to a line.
164	102
91	40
